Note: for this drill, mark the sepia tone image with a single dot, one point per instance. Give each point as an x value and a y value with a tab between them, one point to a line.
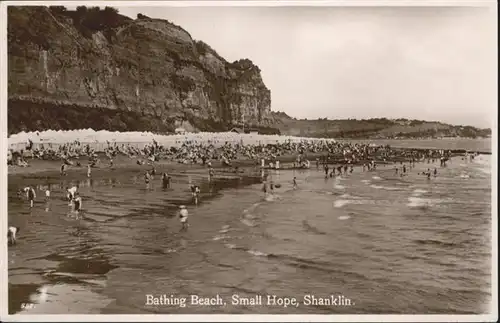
231	159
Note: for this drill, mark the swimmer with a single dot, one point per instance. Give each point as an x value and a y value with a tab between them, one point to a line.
89	170
47	194
326	170
435	172
352	169
30	195
183	216
295	183
11	234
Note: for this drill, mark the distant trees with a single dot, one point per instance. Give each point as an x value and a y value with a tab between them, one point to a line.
58	9
141	16
92	19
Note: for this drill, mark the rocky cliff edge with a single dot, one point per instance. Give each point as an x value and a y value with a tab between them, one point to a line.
94	68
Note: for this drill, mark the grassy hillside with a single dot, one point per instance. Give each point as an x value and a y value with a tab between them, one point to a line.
373	128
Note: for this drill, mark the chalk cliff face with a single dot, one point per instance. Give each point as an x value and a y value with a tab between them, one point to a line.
144	68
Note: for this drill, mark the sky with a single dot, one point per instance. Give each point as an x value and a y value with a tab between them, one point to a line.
430	63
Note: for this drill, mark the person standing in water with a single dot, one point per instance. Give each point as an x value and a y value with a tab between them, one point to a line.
435	172
165	180
89	170
210	173
30	195
71	193
326	170
77	203
47	195
294	183
147	179
183	217
271	186
264	187
63	170
195	191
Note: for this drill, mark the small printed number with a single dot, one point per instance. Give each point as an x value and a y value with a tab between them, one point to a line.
27	305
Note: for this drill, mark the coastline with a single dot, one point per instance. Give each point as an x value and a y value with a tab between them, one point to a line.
49	169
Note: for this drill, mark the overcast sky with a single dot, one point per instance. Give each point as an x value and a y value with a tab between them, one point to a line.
431	63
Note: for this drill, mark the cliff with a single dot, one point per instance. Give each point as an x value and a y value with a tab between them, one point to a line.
94	68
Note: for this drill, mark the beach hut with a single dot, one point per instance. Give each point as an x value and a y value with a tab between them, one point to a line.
180	131
237	130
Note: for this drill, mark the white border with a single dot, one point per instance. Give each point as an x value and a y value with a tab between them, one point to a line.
492	317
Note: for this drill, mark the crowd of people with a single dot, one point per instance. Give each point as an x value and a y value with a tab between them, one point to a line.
203	152
336	158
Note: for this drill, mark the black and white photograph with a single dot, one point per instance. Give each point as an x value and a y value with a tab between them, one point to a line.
249	161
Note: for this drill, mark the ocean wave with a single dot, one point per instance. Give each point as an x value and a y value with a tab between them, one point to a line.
248	223
486	171
344	217
418	202
387	188
271	197
435	242
376	177
257	253
418	192
220	237
341	203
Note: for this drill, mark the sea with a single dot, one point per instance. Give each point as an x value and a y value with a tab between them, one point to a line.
370	242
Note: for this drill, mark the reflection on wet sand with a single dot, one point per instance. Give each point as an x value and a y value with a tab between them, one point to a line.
77	263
